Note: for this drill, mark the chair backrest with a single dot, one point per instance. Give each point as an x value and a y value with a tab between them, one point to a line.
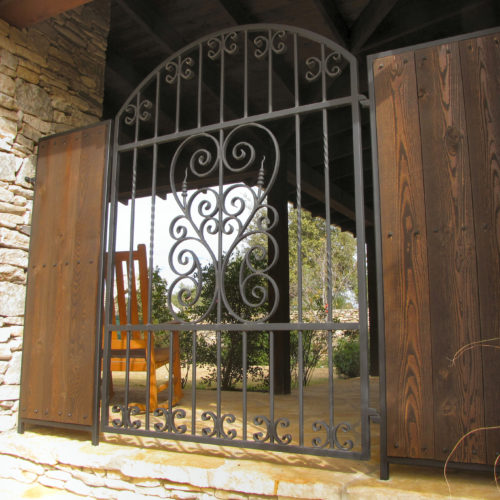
126	270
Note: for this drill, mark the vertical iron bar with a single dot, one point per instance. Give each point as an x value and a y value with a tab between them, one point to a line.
361	259
150	334
130	271
193	390
100	320
298	175
245	77
244	366
109	305
271	381
200	71
178	94
384	466
270	73
222	66
326	160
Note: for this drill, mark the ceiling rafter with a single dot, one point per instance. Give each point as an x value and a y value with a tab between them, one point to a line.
368	21
336	24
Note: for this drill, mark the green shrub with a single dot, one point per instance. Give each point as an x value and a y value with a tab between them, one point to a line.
346	355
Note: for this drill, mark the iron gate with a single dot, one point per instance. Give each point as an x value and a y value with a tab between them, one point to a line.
211	143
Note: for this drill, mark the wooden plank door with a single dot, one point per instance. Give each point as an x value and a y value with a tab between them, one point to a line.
59	345
438	139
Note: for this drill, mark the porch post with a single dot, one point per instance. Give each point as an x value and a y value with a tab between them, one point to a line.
280	273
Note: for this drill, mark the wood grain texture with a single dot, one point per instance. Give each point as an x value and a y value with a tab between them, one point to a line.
454	304
480	59
61	307
404	249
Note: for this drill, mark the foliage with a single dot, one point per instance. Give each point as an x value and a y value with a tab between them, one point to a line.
231	342
314	348
315	269
346	355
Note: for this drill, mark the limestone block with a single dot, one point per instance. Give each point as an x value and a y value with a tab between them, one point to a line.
88	478
16	344
8	128
60	475
25	143
12	239
11	208
13	297
8	59
8	166
5	353
30	55
118	484
9	392
34	100
19	201
13	374
6	332
6	101
7	84
3	367
152	492
6	195
43	126
30	65
14	320
51	483
28	75
18	190
31	133
7	422
14	257
12	274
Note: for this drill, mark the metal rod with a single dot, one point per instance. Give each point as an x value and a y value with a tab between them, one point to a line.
200	83
245	76
270	72
263	117
193	386
271	380
222	66
245	380
178	94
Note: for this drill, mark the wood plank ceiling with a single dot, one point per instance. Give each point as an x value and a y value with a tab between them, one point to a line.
145	33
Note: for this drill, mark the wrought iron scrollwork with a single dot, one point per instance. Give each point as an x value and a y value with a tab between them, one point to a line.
179	69
225	211
331	66
125	421
140	112
218	428
169	424
272	434
331	440
278	45
227	43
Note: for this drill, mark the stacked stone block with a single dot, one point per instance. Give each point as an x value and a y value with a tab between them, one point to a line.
51	80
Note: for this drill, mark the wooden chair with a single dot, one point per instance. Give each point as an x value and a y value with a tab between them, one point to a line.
138	351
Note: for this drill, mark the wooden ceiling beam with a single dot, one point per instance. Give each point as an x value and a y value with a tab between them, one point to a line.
338	28
368	21
24	13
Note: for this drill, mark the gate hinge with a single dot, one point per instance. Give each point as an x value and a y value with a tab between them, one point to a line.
374	415
364	102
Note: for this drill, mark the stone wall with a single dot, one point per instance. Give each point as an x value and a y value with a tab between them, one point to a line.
51	80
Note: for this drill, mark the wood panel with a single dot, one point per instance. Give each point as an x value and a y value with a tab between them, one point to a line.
407	319
61	306
481	83
458	393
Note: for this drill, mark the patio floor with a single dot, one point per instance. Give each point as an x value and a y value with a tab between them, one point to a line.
208	471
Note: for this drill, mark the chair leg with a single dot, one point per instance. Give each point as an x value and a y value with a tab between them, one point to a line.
153	389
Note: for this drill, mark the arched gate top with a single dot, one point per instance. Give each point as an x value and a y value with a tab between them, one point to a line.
241	71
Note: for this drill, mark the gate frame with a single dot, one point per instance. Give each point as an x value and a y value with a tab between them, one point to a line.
355	100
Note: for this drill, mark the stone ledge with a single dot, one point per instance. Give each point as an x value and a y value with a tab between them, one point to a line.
66	461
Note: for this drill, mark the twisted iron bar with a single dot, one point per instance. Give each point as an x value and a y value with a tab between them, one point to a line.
278	46
179	69
125	420
331	440
226	43
169	424
218	428
331	66
272	434
140	112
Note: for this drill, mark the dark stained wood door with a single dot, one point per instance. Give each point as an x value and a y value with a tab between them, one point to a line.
438	134
58	369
